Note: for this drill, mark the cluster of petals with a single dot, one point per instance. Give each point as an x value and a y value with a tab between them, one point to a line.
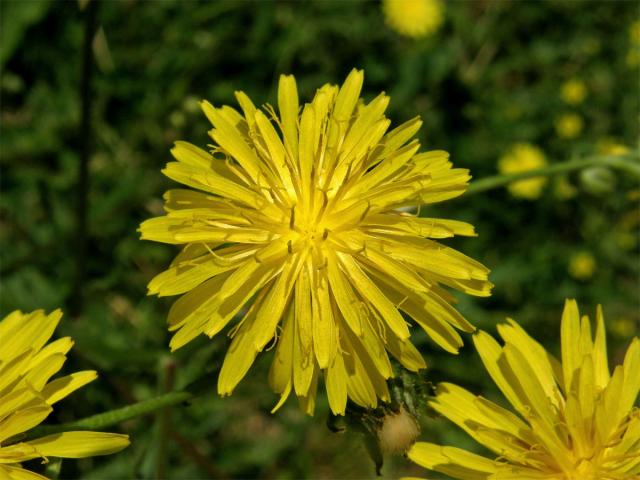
27	395
573	420
295	222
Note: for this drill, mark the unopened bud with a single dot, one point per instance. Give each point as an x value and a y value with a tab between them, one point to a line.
598	180
398	432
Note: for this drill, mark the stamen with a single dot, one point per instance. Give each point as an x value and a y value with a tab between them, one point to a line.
292	218
234	330
274	340
366	211
402	301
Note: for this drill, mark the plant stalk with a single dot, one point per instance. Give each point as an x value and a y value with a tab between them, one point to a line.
629	163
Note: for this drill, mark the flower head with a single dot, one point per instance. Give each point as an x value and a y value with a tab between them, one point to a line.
414	18
609	146
582	265
27	395
574	420
573	91
634	32
302	227
523	157
569	125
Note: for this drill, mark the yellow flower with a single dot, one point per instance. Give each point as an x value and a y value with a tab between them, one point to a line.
414	18
574	420
633	58
634	32
303	228
609	146
569	125
564	189
573	92
582	266
623	327
520	158
27	395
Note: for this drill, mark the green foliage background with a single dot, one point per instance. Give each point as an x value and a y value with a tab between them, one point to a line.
488	78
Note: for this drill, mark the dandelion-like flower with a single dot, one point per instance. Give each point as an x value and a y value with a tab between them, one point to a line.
523	157
414	18
609	146
569	125
582	266
573	91
303	227
575	421
26	395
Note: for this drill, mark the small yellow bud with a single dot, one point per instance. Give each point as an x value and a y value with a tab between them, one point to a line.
569	125
582	266
573	92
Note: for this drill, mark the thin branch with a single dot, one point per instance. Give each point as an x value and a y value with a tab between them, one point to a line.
629	163
113	417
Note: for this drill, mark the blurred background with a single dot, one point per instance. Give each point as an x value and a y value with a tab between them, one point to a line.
94	94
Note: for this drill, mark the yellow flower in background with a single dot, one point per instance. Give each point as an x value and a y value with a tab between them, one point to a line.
623	327
564	189
520	158
609	146
573	91
582	266
633	57
574	420
569	125
414	18
26	395
297	219
634	32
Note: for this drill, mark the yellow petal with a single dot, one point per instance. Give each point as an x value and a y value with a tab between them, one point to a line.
570	337
336	383
535	355
325	335
226	135
631	366
27	331
601	363
23	420
288	106
61	387
277	299
282	366
17	473
80	444
452	461
346	299
240	355
490	353
372	293
399	136
248	108
360	389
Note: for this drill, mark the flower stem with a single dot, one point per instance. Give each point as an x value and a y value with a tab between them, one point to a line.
628	163
112	417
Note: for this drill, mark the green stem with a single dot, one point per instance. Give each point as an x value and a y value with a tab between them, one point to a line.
628	163
112	417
